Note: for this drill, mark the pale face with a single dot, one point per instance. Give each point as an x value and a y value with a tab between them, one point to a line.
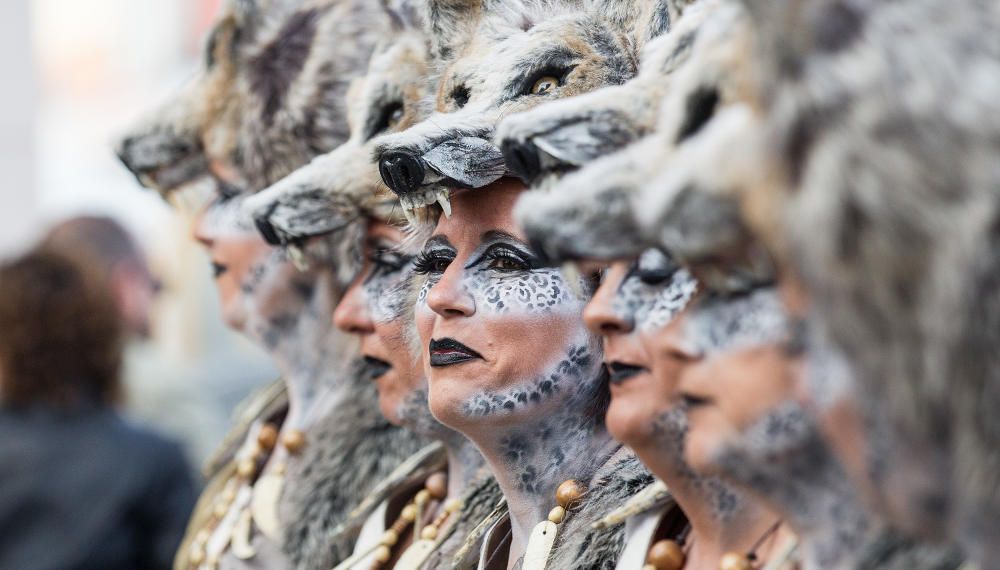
746	374
504	337
375	308
262	294
636	300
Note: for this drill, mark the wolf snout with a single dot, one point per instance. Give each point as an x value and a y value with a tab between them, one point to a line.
402	172
162	160
522	158
266	228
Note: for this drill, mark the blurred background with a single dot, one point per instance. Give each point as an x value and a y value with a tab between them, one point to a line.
77	73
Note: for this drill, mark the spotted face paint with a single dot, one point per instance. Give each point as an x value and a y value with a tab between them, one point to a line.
655	291
783	458
263	294
375	308
637	299
504	338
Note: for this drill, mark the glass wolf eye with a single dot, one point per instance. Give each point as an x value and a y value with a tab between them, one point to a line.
388	118
544	85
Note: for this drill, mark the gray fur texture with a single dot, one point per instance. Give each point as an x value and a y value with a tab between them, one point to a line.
269	97
579	544
886	121
355	435
498	55
343	185
569	133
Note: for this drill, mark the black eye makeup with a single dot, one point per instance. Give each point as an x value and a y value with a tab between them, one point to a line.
385	261
433	261
504	257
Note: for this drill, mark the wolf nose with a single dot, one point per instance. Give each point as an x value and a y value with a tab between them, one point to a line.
126	154
267	231
522	159
402	172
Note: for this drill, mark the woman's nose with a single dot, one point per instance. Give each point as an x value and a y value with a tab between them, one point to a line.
199	230
601	315
449	297
352	314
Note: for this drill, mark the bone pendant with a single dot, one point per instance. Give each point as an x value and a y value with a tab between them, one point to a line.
543	536
264	505
415	555
240	540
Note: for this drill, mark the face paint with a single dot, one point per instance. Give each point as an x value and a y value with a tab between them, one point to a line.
783	458
510	363
634	300
655	290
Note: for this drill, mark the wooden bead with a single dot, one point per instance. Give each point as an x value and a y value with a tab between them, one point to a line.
437	486
409	513
220	509
430	532
569	492
202	537
648	567
246	468
453	505
294	441
557	515
422	497
666	555
267	437
197	556
390	537
383	554
734	561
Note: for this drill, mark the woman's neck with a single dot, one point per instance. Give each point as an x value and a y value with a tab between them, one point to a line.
722	519
531	457
803	481
319	369
464	463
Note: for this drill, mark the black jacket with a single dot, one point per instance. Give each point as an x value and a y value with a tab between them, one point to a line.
88	490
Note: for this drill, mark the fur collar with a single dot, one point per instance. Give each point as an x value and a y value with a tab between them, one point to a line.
892	551
349	452
585	543
482	502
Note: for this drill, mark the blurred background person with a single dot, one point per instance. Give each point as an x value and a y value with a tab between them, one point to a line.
169	404
80	487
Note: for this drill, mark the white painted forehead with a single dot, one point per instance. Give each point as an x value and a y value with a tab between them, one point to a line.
718	324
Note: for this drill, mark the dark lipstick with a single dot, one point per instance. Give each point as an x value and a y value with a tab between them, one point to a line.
619	372
375	367
448	351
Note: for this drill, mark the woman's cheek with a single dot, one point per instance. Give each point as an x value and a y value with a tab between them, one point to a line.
536	293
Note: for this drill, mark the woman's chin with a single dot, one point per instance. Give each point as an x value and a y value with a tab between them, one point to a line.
627	426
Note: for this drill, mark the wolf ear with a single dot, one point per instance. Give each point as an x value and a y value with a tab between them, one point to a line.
645	19
449	23
792	30
403	14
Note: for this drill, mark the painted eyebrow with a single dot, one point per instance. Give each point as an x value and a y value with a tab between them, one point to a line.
500	235
436	241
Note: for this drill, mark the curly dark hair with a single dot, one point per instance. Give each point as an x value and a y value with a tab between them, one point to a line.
60	334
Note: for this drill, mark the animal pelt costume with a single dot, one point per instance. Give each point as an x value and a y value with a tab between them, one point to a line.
270	97
883	116
494	59
584	543
313	511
